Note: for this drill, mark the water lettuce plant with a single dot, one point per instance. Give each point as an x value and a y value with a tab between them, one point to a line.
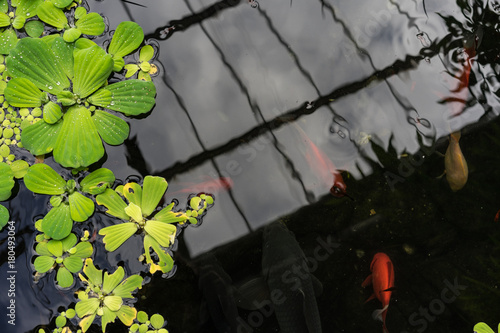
106	296
65	256
158	230
68	202
75	78
144	67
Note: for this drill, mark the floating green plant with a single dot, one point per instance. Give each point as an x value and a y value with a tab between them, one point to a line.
73	131
51	12
106	296
68	202
65	256
144	67
159	231
148	325
24	9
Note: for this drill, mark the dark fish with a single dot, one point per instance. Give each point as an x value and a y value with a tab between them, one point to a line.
290	284
219	304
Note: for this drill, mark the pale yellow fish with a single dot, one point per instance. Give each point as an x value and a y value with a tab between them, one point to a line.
455	164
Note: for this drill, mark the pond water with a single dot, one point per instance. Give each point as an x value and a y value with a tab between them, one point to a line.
259	92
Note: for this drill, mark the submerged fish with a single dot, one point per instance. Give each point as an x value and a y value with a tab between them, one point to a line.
220	303
455	164
292	294
382	278
323	167
210	186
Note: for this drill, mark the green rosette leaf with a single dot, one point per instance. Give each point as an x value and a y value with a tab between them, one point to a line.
28	8
144	76
34	28
51	113
153	189
113	130
91	24
87	321
44	263
114	203
92	69
55	247
19	168
116	235
97	181
61	3
131	70
80	12
23	93
127	314
125	289
166	215
87	307
127	37
142	317
41	137
18	22
64	55
133	193
78	143
134	212
68	242
163	233
112	280
8	40
4	216
6	181
42	179
57	224
66	98
81	207
165	263
60	321
64	277
73	264
43	250
52	15
94	275
483	328
71	35
83	250
4	20
132	97
34	60
146	53
108	314
113	302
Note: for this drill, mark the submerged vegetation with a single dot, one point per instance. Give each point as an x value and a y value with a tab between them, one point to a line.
60	92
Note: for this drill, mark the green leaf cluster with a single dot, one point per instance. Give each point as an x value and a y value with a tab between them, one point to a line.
69	203
144	67
148	325
66	256
134	205
105	296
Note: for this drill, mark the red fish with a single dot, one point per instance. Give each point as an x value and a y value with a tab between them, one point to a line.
497	216
323	167
210	186
382	278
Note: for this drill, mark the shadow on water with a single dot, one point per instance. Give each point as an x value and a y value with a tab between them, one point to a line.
375	88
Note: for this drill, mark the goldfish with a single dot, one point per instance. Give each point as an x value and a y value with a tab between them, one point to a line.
323	167
382	278
455	164
210	186
497	216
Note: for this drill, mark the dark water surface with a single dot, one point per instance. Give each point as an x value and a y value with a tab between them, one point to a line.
241	87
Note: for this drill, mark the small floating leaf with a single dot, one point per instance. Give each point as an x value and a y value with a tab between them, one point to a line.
81	207
163	233
64	277
40	138
112	280
97	181
127	37
73	264
116	235
114	203
52	15
91	24
8	40
133	193
153	189
92	68
147	52
71	35
44	263
51	112
23	93
34	28
113	130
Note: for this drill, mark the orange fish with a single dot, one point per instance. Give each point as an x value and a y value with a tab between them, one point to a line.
210	186
455	164
323	167
382	278
497	216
